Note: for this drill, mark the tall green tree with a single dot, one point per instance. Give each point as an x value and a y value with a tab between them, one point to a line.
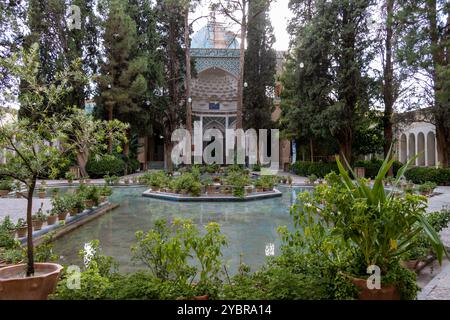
121	83
330	92
260	73
425	50
170	108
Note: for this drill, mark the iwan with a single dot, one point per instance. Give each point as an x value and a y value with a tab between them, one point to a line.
194	310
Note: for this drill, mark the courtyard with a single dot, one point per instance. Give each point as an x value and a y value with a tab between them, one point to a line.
224	150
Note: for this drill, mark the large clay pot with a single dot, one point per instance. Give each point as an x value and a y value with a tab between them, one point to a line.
22	232
51	220
385	293
4	193
37	225
15	286
62	216
89	203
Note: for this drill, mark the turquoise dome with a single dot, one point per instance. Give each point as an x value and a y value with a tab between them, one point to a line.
203	39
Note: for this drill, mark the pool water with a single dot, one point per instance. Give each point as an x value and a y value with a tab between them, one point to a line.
250	227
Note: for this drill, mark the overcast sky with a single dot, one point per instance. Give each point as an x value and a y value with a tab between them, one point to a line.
279	15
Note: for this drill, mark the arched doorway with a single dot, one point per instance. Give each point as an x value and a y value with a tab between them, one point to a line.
403	149
431	149
411	146
421	149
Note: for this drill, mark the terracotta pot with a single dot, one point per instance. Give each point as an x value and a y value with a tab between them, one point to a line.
155	189
62	216
258	189
103	199
249	189
51	220
73	212
37	225
22	232
13	286
4	193
410	264
41	194
89	203
210	189
385	293
267	189
201	297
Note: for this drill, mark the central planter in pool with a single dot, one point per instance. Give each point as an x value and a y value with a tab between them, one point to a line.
215	197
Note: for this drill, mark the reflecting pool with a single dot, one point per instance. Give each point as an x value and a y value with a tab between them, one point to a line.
250	227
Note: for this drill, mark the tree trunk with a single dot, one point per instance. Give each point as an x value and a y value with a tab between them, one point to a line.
110	117
240	96
442	145
311	148
187	80
345	152
388	85
168	155
30	248
82	159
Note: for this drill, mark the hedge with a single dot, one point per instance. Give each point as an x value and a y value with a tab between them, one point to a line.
307	168
107	165
373	166
419	175
321	169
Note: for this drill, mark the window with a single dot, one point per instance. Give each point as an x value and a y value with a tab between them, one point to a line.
214	106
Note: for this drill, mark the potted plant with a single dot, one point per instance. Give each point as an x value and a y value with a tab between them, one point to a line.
126	181
259	185
51	217
209	185
289	180
59	207
105	192
427	188
77	202
5	187
18	189
26	140
21	228
377	227
38	219
312	179
41	192
70	176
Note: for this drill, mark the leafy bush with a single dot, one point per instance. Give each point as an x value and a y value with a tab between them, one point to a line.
320	169
107	165
373	166
418	175
188	183
168	249
6	185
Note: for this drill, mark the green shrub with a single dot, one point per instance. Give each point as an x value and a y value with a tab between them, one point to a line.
6	185
107	165
373	166
419	175
320	169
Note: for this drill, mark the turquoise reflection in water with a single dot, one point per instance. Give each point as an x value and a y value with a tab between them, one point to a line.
250	227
